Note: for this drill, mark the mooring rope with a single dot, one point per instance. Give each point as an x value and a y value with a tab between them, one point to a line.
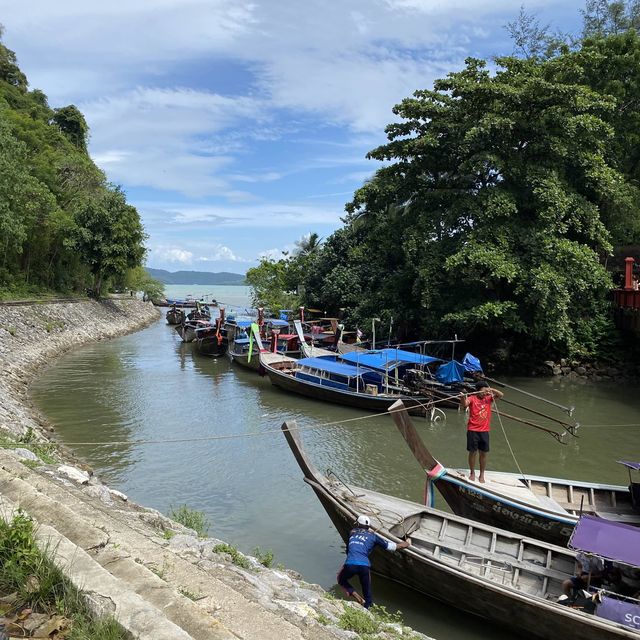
504	432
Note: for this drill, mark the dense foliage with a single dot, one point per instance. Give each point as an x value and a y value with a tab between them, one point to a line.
63	227
501	197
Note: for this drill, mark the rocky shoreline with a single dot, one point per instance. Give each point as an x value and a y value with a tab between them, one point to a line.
189	587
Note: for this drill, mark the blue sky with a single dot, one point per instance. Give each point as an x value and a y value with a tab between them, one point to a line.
237	128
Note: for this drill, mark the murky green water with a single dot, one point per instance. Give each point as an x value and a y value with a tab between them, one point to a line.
150	386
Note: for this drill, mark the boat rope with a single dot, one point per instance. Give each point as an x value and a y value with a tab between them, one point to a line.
568	410
504	433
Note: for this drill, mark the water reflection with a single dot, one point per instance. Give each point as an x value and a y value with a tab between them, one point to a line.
151	386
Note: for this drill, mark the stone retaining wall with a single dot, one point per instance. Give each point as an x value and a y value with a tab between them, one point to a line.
32	336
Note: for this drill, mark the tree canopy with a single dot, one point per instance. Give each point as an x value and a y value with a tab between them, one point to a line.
501	196
63	227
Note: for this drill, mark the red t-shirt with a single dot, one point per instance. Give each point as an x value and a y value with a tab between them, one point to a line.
479	413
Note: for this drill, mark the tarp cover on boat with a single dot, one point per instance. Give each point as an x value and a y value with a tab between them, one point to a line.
610	540
450	372
277	323
334	366
621	611
631	465
387	359
471	363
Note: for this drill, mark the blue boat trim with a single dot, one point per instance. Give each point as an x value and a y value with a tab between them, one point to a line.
549	515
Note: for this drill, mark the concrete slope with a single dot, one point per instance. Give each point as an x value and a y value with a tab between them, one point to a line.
193	587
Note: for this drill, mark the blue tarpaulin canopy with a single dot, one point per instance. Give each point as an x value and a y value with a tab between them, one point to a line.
335	366
243	323
450	372
609	540
387	359
277	323
471	363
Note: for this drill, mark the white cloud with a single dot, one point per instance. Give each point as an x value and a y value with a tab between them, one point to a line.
220	252
171	254
162	138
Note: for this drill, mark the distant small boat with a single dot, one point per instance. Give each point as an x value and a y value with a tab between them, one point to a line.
175	316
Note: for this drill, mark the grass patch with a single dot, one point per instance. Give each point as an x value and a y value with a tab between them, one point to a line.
236	557
53	324
38	584
322	619
9	329
358	620
44	450
189	594
191	519
265	558
167	534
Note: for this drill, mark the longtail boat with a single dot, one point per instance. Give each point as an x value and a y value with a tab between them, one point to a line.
498	575
536	506
341	383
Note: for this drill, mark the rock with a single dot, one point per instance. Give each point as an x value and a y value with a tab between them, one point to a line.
25	454
101	492
185	544
550	363
581	371
118	494
557	371
565	370
81	477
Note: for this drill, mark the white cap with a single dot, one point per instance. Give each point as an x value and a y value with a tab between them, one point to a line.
364	521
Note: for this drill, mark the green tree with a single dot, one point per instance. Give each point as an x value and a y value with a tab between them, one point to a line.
73	125
604	17
109	237
270	284
138	279
486	219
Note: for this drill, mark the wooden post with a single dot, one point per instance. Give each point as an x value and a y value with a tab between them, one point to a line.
628	273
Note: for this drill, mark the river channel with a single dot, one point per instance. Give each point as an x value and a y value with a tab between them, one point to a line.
233	463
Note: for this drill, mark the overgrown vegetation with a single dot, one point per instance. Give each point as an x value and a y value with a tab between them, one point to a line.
191	519
502	197
265	558
369	623
236	557
63	226
35	583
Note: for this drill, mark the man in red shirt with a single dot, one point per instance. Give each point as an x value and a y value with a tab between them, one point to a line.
479	425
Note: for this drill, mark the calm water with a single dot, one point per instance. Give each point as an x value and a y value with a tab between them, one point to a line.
150	386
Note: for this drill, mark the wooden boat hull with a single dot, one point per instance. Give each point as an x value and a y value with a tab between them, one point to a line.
367	402
534	506
438	566
242	359
175	316
210	346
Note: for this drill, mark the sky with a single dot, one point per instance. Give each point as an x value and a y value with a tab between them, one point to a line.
237	128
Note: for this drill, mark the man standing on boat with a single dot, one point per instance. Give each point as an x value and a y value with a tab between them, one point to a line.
479	425
362	542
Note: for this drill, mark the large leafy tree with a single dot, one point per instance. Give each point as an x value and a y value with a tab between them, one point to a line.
486	219
109	237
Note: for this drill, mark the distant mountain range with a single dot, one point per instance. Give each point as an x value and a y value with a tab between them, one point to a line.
196	277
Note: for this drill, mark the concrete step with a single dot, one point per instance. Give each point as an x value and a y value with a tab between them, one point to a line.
125	540
105	593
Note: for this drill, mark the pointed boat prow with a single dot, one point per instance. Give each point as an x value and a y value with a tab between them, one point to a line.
406	427
292	434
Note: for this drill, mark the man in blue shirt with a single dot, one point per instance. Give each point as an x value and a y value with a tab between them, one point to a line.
361	543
